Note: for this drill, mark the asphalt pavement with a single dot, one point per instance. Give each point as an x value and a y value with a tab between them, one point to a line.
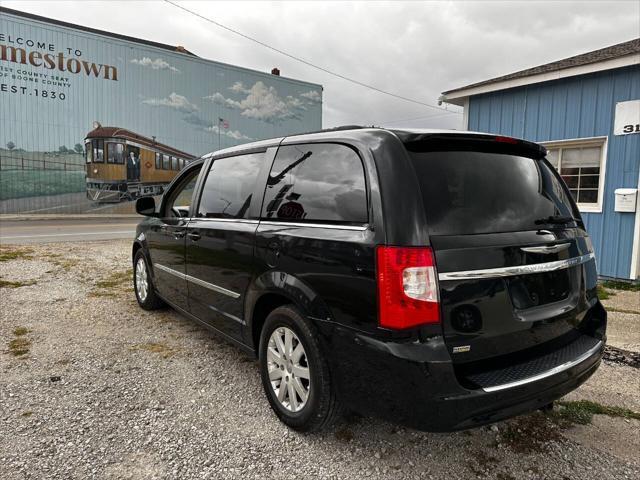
42	230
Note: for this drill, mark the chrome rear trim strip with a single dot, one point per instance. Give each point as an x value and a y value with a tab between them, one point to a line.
516	270
228	220
197	281
315	225
548	373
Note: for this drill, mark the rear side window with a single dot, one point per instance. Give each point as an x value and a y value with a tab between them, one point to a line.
316	183
470	192
229	186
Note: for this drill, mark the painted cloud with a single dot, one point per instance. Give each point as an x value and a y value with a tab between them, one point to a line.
235	134
157	64
191	115
174	101
312	96
262	102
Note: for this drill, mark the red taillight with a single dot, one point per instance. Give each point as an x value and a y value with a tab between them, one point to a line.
407	287
507	140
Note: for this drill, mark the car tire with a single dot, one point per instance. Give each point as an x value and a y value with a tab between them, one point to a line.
283	373
143	284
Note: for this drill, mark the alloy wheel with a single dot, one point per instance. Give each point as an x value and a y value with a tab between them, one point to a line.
288	369
142	282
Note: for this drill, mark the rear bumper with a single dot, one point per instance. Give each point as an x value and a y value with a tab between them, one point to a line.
416	384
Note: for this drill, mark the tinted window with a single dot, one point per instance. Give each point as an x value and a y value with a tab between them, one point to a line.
166	163
316	182
476	192
229	185
181	196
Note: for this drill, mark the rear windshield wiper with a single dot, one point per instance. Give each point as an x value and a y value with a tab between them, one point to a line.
555	220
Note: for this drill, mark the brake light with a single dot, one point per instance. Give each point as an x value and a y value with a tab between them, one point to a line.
407	287
506	140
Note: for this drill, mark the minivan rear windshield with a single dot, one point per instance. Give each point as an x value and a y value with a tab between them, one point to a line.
468	192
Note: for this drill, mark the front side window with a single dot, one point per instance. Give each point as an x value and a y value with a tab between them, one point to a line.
98	151
316	183
229	186
180	198
166	162
580	168
115	153
158	161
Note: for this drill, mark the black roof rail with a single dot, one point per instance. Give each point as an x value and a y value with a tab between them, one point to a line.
332	129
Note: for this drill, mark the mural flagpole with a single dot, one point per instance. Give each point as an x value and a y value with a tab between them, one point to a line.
220	121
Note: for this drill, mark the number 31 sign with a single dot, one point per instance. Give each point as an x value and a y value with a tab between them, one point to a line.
627	119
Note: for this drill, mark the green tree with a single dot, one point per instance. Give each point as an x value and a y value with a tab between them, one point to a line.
63	149
78	148
11	145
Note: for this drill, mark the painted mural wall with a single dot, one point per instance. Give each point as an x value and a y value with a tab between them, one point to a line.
55	82
578	108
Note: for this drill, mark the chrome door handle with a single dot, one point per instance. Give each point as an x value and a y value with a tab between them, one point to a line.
194	236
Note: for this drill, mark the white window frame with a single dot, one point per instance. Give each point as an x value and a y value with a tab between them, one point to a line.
587	142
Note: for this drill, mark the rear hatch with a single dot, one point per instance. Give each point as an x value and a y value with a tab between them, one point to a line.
516	270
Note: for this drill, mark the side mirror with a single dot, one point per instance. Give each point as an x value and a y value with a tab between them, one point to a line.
146	206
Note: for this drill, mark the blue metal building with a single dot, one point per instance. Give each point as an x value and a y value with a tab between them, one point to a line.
586	110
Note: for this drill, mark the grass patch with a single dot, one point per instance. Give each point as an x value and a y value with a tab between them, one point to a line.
581	412
12	253
623	310
19	346
160	348
604	294
60	261
20	331
10	284
66	263
111	285
619	285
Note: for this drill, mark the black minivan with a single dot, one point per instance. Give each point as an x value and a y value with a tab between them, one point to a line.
438	279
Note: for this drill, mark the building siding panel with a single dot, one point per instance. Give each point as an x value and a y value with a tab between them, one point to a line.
579	107
174	97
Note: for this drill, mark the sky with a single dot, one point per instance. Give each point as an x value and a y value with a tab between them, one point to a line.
413	49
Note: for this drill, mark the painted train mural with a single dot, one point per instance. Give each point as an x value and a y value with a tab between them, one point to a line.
116	117
122	165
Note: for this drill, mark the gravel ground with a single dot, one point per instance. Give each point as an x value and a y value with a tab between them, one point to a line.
91	386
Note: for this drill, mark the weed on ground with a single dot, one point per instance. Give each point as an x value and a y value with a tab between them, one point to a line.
20	331
13	253
113	284
10	284
603	293
581	412
19	346
620	285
